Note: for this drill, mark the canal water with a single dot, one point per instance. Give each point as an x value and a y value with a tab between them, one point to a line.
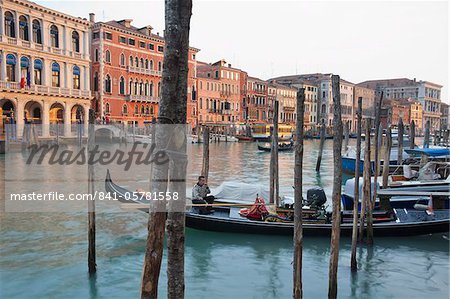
44	255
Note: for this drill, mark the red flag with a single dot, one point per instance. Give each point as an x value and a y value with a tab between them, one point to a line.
22	83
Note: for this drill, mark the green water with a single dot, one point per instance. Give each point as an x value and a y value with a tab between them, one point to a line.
44	255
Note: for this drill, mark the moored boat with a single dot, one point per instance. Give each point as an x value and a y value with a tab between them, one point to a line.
282	147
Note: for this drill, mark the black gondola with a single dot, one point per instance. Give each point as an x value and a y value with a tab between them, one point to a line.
227	219
282	147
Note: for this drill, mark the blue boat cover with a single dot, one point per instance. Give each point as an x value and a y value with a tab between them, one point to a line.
432	152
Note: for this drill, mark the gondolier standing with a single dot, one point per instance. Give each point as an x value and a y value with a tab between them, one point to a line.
200	195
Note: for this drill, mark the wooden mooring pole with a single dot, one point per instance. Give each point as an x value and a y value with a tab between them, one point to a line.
298	196
426	139
337	185
412	134
205	165
367	188
400	142
322	143
353	263
346	135
387	155
91	203
276	181
366	178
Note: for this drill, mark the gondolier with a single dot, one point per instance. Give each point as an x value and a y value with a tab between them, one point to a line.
200	195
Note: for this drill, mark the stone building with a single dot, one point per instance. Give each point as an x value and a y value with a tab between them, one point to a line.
45	67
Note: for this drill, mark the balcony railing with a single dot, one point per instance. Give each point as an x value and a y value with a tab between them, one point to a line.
42	89
12	41
144	71
142	98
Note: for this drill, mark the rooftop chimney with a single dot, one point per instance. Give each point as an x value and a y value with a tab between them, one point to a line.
126	22
229	65
147	30
92	17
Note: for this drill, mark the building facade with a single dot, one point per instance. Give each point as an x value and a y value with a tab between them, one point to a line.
445	116
257	102
127	66
287	103
368	102
429	95
45	67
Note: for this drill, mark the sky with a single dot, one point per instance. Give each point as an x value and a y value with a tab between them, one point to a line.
358	40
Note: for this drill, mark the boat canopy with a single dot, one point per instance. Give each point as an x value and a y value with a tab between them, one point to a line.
431	152
240	192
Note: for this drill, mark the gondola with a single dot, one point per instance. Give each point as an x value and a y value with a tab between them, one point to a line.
228	219
282	147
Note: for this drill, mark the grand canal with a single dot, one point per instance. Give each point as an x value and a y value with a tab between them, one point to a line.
43	255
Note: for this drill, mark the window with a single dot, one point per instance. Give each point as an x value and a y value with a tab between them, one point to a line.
124	109
108	83
38	72
95	35
122	40
160	66
193	56
108	56
146	89
10	25
96	81
23	28
107	110
108	35
75	42
131	42
130	88
55	75
142	63
151	64
37	33
151	88
96	55
160	49
24	67
146	63
122	59
76	77
142	44
131	60
159	89
151	46
136	62
122	86
136	109
11	67
54	36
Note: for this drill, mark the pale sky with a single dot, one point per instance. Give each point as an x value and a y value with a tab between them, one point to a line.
357	40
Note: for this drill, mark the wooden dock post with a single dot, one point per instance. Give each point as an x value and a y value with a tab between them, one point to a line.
91	203
322	143
387	155
400	142
346	135
205	165
273	171
366	178
298	196
426	139
353	263
436	137
412	134
337	185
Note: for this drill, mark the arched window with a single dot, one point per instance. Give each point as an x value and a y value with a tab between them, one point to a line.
147	110
10	24
146	88
136	109
54	36
76	77
23	28
122	59
130	88
151	88
159	89
75	42
131	60
141	87
37	32
136	62
125	109
160	66
107	108
122	86
136	87
96	81
55	75
151	109
142	109
38	72
151	64
146	63
142	63
96	58
11	67
108	83
24	67
108	56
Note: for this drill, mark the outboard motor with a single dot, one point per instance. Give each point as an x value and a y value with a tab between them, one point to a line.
316	198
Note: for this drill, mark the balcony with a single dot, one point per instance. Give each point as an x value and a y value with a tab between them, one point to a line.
45	90
141	98
144	71
289	108
220	111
